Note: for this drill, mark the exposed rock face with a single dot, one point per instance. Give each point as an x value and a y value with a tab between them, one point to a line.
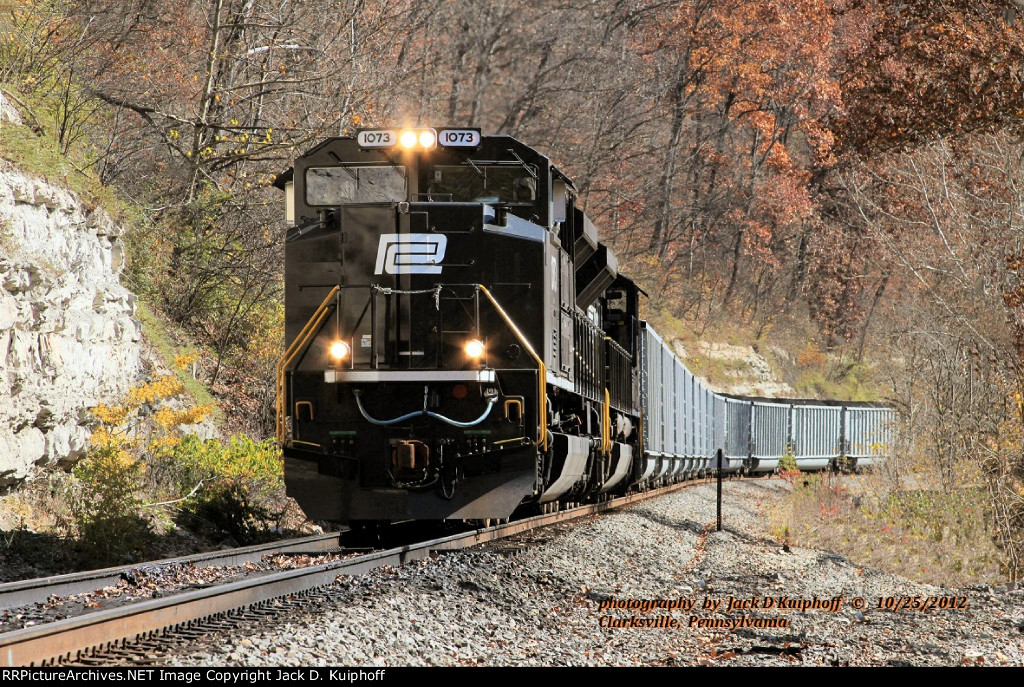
68	339
8	113
750	373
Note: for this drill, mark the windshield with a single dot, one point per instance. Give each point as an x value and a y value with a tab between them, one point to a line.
484	183
355	184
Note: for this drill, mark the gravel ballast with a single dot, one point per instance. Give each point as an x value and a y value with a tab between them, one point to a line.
568	596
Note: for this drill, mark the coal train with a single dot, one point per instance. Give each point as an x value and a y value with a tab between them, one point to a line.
462	346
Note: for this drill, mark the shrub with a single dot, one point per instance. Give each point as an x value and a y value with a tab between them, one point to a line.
104	503
787	466
810	356
232	487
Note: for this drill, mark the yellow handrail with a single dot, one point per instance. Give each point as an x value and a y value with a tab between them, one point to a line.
312	326
542	371
606	424
513	402
299	404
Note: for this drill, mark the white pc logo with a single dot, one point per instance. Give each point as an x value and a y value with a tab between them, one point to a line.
410	253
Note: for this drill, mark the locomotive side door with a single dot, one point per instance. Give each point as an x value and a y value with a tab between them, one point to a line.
561	204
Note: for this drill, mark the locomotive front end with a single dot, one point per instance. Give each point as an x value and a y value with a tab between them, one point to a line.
412	387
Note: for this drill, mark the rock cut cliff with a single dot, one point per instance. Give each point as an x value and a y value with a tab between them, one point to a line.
68	337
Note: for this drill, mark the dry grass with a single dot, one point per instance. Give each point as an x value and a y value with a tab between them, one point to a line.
925	534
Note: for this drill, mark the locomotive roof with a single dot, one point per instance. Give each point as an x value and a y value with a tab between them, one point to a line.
284	177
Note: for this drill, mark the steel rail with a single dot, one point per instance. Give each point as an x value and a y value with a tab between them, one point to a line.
23	593
68	639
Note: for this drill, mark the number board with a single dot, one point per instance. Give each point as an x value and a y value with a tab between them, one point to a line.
377	138
459	138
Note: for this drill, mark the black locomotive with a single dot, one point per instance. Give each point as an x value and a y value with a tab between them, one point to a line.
461	344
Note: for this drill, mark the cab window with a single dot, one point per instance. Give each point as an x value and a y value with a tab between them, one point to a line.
355	184
484	183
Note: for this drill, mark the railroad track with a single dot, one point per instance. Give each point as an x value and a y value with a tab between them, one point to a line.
39	590
133	631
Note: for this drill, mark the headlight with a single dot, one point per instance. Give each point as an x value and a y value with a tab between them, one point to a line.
339	350
474	348
408	139
427	139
